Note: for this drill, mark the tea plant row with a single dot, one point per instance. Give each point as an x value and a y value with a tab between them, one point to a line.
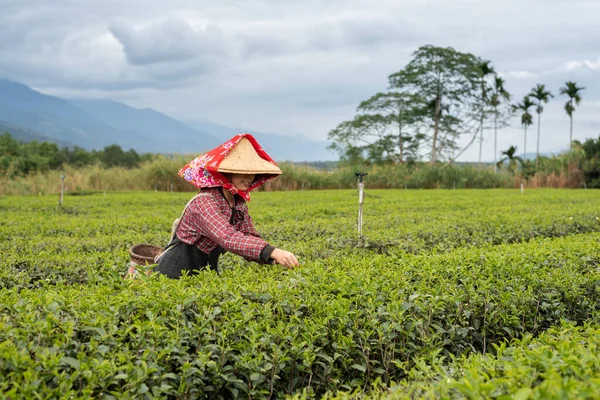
336	324
562	363
440	283
87	240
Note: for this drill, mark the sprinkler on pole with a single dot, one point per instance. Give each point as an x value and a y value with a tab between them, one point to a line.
361	195
62	190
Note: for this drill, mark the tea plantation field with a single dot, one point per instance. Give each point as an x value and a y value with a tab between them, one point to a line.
451	294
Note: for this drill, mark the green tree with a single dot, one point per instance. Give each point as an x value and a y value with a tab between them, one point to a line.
499	94
542	96
78	157
484	106
352	138
114	156
513	161
449	126
18	158
591	165
402	111
353	155
9	152
526	118
382	130
484	70
442	76
22	158
574	93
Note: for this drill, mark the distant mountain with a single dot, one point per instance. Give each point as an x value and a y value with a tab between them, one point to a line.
27	135
100	124
56	118
280	147
94	124
165	133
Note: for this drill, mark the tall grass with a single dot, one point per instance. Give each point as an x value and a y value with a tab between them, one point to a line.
160	174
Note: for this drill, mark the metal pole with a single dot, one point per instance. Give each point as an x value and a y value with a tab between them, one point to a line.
361	196
361	187
62	190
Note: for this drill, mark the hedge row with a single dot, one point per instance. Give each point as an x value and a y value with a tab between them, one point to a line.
562	363
335	324
438	274
87	240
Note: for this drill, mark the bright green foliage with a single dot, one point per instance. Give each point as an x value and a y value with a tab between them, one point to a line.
562	363
431	101
591	165
383	131
448	81
511	160
441	277
17	158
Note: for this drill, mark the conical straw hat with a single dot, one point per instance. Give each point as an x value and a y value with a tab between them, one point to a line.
243	159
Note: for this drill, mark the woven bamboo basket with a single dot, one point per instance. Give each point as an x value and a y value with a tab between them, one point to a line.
144	254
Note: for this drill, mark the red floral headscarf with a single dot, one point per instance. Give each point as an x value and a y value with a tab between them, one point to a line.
203	171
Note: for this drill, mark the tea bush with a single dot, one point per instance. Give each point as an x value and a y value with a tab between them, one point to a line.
561	363
440	279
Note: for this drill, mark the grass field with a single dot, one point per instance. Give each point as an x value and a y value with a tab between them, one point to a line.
451	294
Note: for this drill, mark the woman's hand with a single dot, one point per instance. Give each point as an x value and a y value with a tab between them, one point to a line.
284	258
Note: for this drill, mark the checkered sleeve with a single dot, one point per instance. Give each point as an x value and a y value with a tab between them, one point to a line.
209	221
247	227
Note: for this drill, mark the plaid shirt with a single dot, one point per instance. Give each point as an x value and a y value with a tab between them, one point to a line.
209	221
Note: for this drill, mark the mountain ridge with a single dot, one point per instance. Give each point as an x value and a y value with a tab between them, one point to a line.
96	123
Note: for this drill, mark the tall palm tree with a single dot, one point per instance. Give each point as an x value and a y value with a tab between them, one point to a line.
498	94
542	96
574	92
511	158
484	69
526	118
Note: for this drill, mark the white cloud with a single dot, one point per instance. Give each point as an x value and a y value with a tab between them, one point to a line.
169	40
518	74
288	66
573	65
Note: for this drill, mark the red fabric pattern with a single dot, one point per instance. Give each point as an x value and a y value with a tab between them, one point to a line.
203	172
205	224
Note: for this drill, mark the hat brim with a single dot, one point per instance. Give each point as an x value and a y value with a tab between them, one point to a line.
243	159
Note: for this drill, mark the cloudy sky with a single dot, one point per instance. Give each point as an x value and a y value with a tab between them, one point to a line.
297	67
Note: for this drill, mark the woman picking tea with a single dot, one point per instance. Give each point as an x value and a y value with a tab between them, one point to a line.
216	220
